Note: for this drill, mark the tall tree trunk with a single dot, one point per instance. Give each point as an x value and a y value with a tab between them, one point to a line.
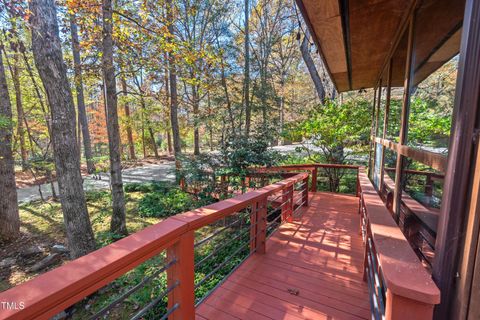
47	51
15	73
196	121
118	223
177	144
246	89
153	143
282	110
82	112
9	218
37	90
312	70
169	142
210	127
131	145
20	112
167	101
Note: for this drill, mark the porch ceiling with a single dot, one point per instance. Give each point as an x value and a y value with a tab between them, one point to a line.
357	37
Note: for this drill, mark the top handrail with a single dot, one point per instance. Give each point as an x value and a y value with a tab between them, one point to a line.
396	257
291	167
50	293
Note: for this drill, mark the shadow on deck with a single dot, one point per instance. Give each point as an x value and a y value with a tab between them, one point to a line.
313	269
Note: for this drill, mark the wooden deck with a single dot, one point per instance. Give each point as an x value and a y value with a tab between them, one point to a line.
313	269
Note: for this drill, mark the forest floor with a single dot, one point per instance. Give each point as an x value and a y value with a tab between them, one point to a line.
147	170
42	230
25	179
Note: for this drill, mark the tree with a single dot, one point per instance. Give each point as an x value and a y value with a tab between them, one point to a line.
304	48
15	73
82	113
118	223
48	57
177	143
333	128
9	218
126	106
246	71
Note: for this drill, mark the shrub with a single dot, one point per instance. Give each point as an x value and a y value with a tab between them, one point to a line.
162	205
145	187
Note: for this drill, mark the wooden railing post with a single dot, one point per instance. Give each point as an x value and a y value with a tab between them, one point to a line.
182	275
429	186
398	308
314	179
358	184
261	226
287	203
305	192
253	225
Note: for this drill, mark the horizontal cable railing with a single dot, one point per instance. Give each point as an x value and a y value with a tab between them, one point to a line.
175	263
338	178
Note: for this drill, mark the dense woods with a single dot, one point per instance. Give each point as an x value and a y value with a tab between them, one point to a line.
87	86
95	83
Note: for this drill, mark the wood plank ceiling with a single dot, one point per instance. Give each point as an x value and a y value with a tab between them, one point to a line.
357	37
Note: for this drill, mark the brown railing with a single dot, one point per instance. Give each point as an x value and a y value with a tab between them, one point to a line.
400	286
255	215
417	221
330	174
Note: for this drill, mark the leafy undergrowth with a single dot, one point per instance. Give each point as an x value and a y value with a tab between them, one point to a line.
42	225
229	247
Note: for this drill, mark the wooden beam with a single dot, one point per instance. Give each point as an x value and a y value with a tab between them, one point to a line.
460	170
379	105
385	119
345	15
410	62
435	160
372	135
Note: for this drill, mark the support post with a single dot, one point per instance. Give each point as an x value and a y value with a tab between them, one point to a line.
261	226
399	308
305	192
287	203
253	226
385	121
456	283
314	179
409	70
183	272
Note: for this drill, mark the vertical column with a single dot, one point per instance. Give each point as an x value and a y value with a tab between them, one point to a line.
314	179
182	271
385	121
253	226
372	136
409	71
261	227
399	308
287	203
459	202
305	192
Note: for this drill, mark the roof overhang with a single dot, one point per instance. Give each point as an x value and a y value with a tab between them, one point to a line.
357	38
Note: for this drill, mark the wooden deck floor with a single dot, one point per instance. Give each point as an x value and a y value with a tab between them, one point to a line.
312	270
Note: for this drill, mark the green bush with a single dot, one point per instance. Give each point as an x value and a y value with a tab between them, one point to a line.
145	187
167	204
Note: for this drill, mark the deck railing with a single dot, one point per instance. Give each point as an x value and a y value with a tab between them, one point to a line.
232	230
400	286
342	178
241	227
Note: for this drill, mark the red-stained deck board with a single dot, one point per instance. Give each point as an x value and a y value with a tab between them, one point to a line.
320	255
